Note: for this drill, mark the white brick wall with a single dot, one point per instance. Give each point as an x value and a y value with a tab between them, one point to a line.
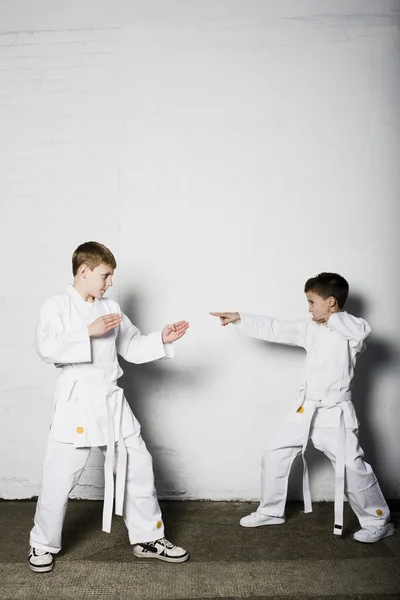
225	151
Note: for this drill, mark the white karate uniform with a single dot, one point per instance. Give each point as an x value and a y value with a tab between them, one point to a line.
322	412
91	410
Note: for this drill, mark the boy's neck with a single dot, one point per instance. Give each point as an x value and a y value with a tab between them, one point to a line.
82	292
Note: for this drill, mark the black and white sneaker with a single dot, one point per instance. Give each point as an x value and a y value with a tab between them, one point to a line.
161	549
40	561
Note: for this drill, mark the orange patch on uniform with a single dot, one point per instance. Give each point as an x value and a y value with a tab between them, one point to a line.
300	410
80	430
379	512
159	524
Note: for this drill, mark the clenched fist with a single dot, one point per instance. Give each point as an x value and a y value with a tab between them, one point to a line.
103	325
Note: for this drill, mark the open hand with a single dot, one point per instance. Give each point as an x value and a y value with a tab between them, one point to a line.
174	332
226	317
103	325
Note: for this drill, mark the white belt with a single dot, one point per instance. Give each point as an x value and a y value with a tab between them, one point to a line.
340	461
109	473
105	391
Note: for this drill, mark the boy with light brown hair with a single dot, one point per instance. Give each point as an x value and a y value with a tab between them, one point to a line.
82	333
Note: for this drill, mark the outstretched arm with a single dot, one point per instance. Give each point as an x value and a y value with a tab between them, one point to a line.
292	333
137	348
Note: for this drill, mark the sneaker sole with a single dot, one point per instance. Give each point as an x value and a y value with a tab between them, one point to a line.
41	569
180	559
387	534
270	522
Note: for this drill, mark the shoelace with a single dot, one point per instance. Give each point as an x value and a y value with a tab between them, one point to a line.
165	543
36	552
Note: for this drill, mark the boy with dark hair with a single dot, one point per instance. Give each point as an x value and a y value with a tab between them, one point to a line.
323	411
81	333
329	284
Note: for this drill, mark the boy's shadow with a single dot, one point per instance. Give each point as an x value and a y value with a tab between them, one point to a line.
378	356
371	364
142	381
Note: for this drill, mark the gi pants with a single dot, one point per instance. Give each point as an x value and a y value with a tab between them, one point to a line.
63	466
361	486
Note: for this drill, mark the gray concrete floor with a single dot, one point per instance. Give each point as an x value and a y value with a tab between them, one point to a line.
300	559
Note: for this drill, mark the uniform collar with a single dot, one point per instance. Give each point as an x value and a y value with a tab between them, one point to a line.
75	295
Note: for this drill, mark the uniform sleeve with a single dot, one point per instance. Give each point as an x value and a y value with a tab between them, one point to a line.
292	333
137	348
354	329
54	344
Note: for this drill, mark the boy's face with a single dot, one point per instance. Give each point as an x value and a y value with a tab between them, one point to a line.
319	306
99	280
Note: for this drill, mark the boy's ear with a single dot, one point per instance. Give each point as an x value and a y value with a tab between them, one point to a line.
83	270
332	302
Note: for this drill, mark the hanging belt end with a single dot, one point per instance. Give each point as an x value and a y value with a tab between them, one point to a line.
106	525
307	503
338	529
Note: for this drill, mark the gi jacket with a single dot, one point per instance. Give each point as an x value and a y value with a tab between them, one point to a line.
89	407
330	361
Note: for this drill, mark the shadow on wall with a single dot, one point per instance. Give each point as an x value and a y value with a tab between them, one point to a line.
140	384
371	364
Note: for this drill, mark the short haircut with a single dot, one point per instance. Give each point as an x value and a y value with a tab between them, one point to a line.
329	284
92	254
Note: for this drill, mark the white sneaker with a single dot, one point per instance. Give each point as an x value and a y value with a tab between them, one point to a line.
372	534
40	561
161	549
256	519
